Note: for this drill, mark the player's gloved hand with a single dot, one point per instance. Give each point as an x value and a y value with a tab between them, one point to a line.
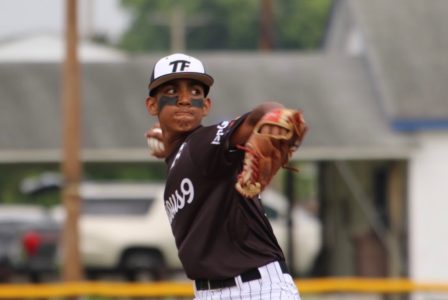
154	138
274	139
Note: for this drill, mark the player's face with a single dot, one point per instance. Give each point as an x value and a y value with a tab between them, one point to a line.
180	105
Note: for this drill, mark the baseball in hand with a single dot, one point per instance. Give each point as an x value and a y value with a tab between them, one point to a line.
155	145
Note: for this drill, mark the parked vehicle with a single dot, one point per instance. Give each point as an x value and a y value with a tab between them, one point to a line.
5	264
28	242
124	227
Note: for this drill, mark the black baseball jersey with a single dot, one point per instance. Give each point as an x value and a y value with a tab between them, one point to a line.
218	233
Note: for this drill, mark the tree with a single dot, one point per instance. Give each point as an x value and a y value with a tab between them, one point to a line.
301	24
224	24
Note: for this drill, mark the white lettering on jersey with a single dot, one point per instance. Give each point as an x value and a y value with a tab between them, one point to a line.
177	200
220	132
177	155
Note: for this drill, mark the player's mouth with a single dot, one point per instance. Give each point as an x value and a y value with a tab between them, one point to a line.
183	113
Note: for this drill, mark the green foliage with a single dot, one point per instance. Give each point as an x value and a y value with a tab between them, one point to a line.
305	182
225	24
124	172
11	177
226	27
301	23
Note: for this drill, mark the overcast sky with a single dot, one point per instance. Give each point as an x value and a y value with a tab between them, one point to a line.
24	17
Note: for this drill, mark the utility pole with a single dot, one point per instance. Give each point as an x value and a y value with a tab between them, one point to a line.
178	29
179	23
289	187
71	166
266	41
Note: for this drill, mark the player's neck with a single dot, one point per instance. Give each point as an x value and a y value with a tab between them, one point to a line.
171	141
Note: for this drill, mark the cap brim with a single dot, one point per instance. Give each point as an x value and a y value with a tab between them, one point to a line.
203	78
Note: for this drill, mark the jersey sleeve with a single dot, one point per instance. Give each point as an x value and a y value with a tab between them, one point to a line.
210	148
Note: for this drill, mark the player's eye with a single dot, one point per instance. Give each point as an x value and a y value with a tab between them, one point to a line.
169	90
196	91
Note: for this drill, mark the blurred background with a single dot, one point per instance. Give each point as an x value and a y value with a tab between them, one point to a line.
369	76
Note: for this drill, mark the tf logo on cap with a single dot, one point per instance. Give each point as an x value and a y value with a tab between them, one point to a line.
179	66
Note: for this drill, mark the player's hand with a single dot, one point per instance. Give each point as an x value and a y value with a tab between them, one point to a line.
154	138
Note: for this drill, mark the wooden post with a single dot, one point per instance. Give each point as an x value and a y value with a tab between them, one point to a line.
290	194
71	166
178	28
266	40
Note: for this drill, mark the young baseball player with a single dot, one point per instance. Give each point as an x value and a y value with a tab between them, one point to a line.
215	175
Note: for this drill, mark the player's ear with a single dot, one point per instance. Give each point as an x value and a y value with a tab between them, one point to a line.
207	106
152	106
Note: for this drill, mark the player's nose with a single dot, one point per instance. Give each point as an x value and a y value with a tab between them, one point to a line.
184	99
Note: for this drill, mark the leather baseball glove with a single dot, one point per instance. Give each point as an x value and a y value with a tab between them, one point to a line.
274	139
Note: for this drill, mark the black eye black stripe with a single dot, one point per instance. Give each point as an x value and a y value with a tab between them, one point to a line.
165	100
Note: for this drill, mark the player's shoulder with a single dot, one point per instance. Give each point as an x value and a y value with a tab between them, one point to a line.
226	124
214	134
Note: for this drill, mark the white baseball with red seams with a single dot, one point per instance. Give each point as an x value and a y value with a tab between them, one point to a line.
154	144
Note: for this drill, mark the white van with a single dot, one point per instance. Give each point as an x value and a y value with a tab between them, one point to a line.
124	227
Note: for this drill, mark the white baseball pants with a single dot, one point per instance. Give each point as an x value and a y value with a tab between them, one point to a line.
272	285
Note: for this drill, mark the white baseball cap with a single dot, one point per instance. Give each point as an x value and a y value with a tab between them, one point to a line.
177	66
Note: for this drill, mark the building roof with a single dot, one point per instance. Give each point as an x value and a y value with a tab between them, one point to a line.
51	48
384	69
406	45
333	92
